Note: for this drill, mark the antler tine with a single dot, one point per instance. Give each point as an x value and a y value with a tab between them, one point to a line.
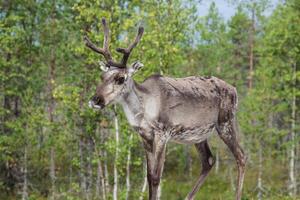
127	51
106	35
92	46
105	50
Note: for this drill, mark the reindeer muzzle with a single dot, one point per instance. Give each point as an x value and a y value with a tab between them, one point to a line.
96	103
95	106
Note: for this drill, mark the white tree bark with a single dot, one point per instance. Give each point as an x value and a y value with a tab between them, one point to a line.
297	166
259	179
81	170
100	182
25	183
159	190
292	177
52	173
115	191
89	171
104	132
128	167
106	174
70	171
251	48
145	182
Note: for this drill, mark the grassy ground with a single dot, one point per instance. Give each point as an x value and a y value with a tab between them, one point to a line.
220	187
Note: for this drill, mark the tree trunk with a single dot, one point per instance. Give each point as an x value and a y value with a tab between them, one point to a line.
115	191
52	69
6	99
251	46
145	182
297	166
100	182
259	179
159	191
128	167
51	119
81	170
103	152
106	173
89	170
52	173
25	182
70	170
292	177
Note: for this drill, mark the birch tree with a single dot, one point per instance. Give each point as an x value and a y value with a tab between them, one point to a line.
116	175
128	185
281	50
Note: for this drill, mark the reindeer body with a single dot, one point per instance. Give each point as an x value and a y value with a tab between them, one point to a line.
185	110
163	109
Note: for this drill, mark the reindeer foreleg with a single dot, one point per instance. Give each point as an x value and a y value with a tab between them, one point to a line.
155	154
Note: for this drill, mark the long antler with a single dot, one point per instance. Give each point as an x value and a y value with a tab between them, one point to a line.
127	51
105	50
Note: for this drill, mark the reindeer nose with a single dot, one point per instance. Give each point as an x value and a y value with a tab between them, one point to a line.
96	102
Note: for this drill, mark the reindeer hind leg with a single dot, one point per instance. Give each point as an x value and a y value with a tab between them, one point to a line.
207	163
227	132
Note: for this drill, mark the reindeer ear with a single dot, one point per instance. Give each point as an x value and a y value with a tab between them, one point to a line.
135	67
103	66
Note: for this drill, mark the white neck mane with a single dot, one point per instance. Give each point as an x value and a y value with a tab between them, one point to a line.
132	105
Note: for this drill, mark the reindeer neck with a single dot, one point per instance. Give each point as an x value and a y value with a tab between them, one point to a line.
132	104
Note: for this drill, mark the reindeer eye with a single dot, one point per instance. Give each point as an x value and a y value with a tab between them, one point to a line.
120	80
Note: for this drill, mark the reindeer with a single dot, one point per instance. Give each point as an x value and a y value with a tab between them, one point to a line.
163	109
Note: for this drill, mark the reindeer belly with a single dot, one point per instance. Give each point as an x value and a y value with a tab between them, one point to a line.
191	135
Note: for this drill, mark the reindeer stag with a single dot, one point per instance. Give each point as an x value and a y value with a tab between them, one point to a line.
162	109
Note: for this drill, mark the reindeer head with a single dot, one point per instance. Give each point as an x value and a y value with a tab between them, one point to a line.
116	78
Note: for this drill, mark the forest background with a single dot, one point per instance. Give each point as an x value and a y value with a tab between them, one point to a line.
52	146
